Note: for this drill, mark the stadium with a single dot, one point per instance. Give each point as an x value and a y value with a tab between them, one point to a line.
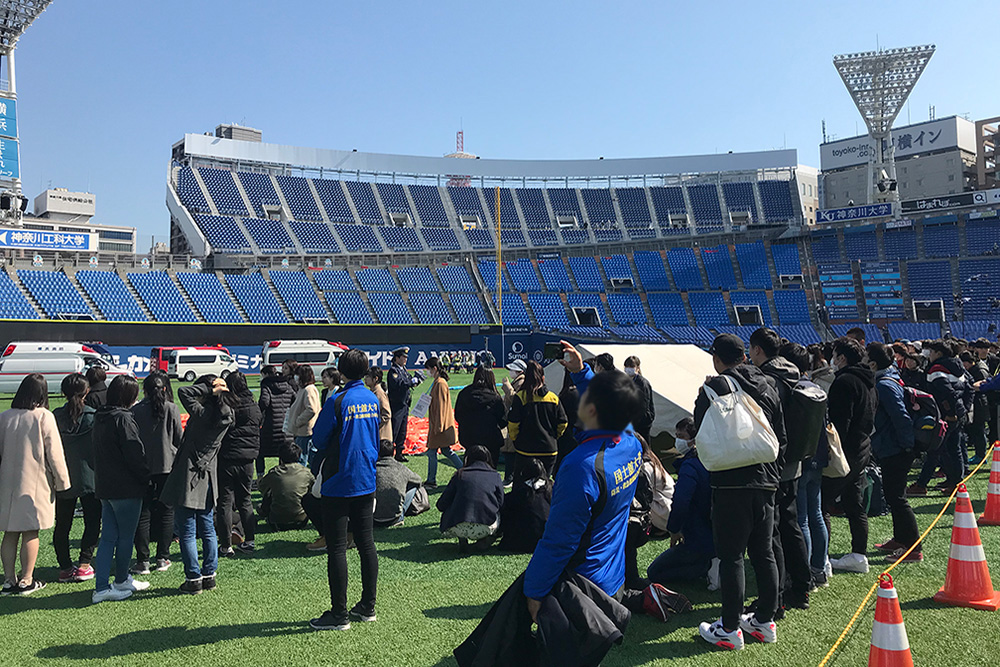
274	242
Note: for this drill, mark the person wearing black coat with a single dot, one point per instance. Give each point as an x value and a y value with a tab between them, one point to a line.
526	509
276	396
946	382
851	404
470	505
239	450
98	394
644	423
978	372
480	414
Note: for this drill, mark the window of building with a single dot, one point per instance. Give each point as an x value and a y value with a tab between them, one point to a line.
951	177
810	190
920	182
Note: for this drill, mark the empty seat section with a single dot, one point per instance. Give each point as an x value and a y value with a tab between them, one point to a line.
522	274
532	201
417	279
641	233
941	240
393	198
488	272
107	291
466	202
616	267
752	298
575	236
13	304
315	237
440	238
667	202
825	248
973	329
513	238
209	297
642	333
376	280
791	306
270	236
364	201
684	268
740	199
742	332
600	208
872	333
753	265
331	195
299	197
607	234
329	280
549	310
189	192
776	197
161	296
358	238
456	278
983	236
931	281
786	259
222	233
389	308
709	308
260	191
705	204
543	237
582	300
468	308
586	274
719	267
348	307
803	334
634	207
479	238
860	243
298	294
54	293
400	239
430	308
222	189
899	243
514	312
508	212
256	298
914	330
554	275
430	208
627	309
652	272
979	280
564	202
699	336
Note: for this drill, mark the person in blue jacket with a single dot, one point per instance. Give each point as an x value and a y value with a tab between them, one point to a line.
346	439
690	523
588	521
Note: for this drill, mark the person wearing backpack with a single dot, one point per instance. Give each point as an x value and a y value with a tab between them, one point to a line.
893	447
743	506
945	381
790	552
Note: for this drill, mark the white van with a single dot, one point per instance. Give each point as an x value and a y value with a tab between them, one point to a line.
318	354
53	360
190	363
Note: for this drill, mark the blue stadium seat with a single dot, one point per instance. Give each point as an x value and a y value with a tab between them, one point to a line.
575	236
979	280
599	206
508	211
684	268
400	239
616	267
488	272
705	203
642	333
430	308
456	278
753	298
430	208
161	296
364	201
189	192
900	243
479	239
549	310
740	199
522	274
440	238
256	298
331	195
872	333
543	237
299	197
417	279
54	293
753	265
222	233
376	280
652	272
982	236
330	280
627	309
564	202
639	234
914	330
513	238
514	312
586	274
941	240
634	207
222	189
791	306
709	308
786	259
358	238
607	234
667	308
466	202
468	307
583	300
393	198
860	243
107	291
719	267
536	215
270	236
208	296
315	237
666	202
260	191
13	304
390	308
931	281
699	336
554	275
776	196
299	296
825	247
803	334
743	332
348	307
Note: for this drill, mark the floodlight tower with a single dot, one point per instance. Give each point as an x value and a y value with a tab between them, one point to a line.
15	17
879	82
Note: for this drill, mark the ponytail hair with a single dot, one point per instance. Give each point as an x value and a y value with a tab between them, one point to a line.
75	388
435	363
158	392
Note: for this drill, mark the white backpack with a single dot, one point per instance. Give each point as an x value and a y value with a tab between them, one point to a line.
735	432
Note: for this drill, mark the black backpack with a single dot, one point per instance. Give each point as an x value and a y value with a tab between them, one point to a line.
805	419
928	428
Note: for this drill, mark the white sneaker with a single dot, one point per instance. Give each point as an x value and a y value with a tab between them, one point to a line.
131	584
762	632
715	634
713	575
828	568
111	595
851	563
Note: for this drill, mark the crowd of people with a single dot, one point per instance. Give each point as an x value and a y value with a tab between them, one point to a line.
581	489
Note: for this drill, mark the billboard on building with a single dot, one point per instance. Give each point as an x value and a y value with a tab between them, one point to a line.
933	135
30	239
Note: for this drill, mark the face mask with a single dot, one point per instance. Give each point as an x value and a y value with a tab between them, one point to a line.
629	371
925	353
683	446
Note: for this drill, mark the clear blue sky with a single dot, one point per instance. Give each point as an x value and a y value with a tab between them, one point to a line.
105	88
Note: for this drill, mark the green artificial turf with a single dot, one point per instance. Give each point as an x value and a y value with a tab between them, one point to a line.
431	597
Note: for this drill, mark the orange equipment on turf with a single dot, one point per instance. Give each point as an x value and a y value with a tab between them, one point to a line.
967	583
890	645
991	517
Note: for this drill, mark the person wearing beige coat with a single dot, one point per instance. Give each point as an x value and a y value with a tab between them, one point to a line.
441	431
32	470
374	382
303	412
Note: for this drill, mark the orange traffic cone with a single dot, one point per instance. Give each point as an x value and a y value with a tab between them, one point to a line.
967	583
991	517
890	646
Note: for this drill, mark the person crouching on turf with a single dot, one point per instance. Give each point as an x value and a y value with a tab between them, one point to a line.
285	498
470	505
346	438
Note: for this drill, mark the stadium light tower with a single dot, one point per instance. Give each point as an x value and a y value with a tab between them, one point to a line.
879	82
15	17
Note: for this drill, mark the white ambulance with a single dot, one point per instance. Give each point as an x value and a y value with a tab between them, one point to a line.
318	354
190	363
53	360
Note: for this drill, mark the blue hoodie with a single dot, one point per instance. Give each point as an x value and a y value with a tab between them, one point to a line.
576	491
357	448
893	424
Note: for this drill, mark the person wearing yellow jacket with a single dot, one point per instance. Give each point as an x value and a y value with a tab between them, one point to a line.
536	420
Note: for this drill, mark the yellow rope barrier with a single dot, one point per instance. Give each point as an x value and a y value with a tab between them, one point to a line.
871	591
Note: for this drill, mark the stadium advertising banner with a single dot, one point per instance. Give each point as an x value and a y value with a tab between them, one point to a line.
9	159
30	239
981	198
8	118
933	135
854	213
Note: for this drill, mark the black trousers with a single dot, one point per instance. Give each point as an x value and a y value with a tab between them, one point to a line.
313	508
743	521
852	501
65	508
790	552
400	418
234	491
904	523
337	512
635	537
156	522
977	434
